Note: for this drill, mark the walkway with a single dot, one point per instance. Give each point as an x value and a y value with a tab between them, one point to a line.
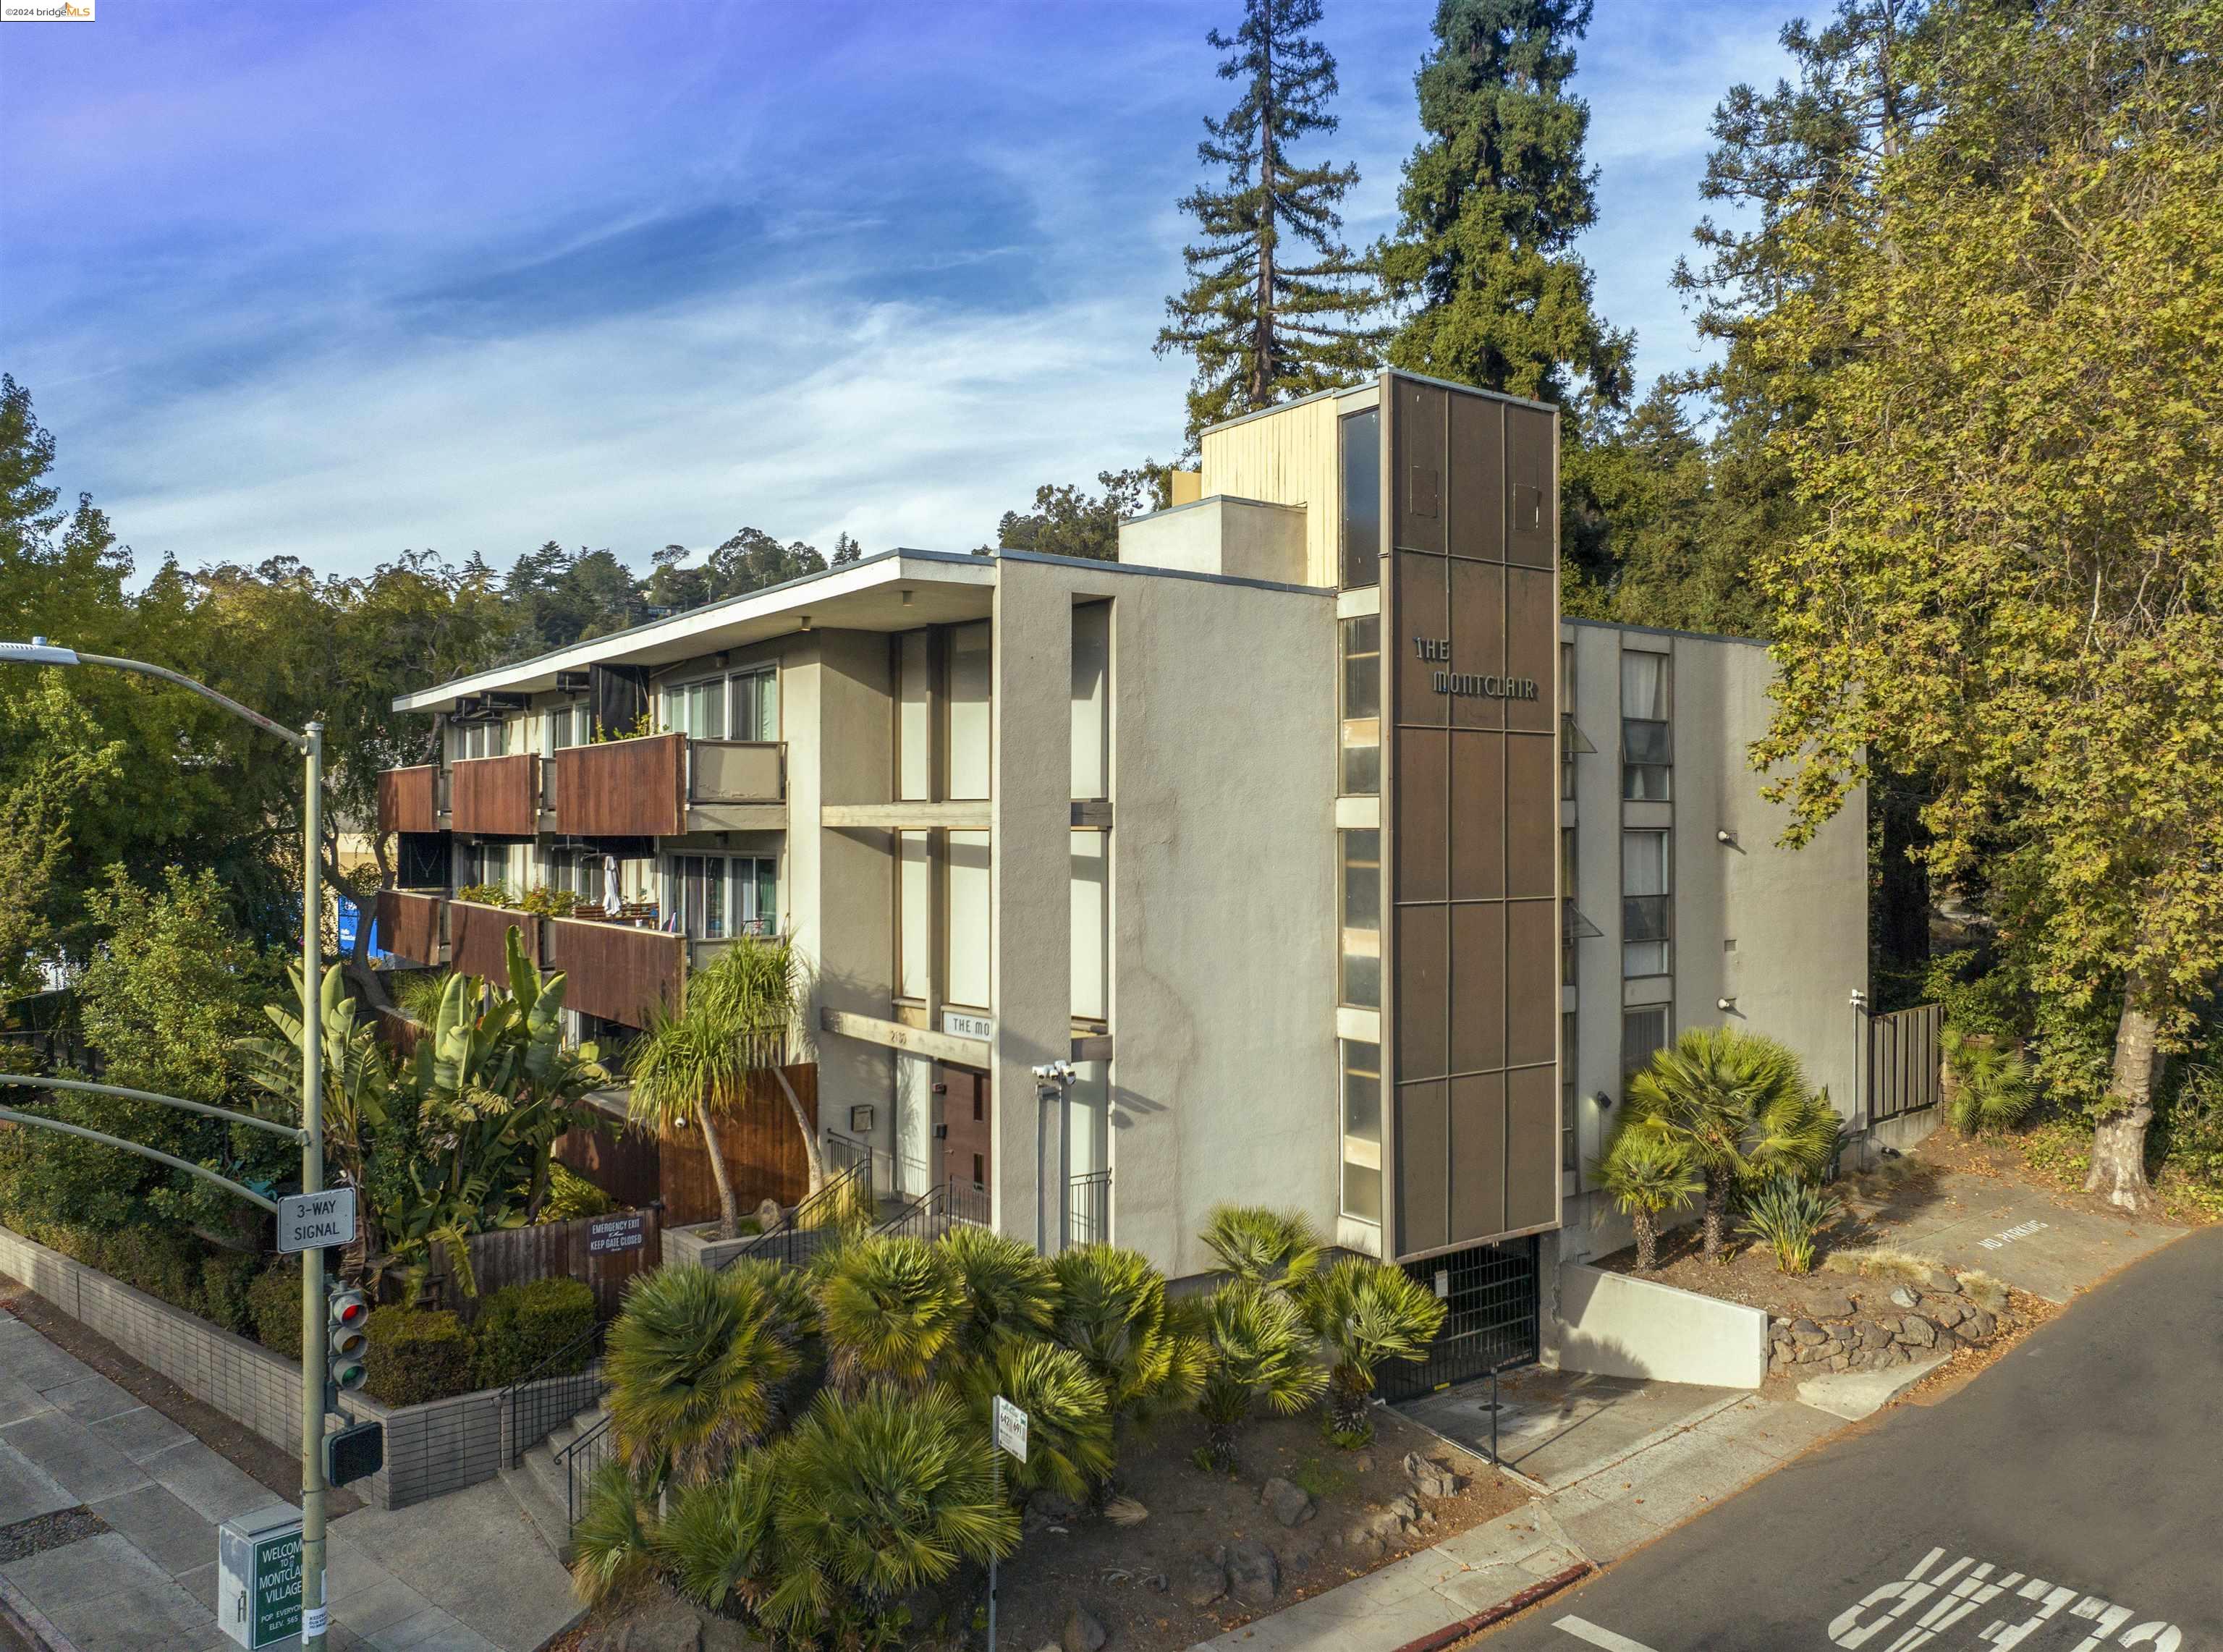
107	1518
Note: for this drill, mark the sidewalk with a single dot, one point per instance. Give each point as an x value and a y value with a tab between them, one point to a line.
78	1452
1601	1512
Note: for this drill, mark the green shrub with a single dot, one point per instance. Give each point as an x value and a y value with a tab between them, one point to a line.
1787	1216
571	1196
1992	1087
521	1326
417	1354
273	1308
1978	998
227	1279
163	1262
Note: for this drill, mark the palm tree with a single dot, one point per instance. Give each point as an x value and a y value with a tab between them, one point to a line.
738	1018
880	1495
1011	1293
1111	1311
892	1304
1365	1312
694	1363
1262	1246
1645	1170
1257	1350
1739	1105
1068	1421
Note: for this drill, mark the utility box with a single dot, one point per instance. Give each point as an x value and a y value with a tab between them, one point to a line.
258	1563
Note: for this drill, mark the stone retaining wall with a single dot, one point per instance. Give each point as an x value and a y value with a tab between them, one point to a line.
1878	1324
442	1446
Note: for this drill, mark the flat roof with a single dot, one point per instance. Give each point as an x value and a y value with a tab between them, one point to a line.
1382	377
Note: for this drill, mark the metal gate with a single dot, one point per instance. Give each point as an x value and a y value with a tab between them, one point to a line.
1491	1291
1903	1074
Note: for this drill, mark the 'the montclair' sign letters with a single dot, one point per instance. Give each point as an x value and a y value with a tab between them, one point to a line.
1469	683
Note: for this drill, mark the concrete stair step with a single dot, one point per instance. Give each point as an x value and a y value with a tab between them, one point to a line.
543	1511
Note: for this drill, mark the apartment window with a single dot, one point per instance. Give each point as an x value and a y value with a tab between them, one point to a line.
1361	641
580	871
716	895
914	724
1362	1130
1642	1031
1570	1114
1646	752
914	918
753	701
696	709
1567	888
1361	919
563	726
968	970
1566	723
1647	908
1092	925
487	739
1359	436
1091	701
969	711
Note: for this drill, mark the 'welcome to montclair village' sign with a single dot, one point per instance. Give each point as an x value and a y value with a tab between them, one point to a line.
1470	683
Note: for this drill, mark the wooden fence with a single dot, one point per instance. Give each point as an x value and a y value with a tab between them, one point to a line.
594	1248
763	1153
626	1163
1905	1074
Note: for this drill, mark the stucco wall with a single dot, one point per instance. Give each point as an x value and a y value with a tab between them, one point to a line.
1244	538
1619	1326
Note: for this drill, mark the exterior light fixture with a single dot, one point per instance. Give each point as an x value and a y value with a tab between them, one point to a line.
1725	1005
1859	999
1722	834
37	652
1602	1099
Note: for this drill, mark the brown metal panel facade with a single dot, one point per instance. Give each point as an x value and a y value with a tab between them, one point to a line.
622	788
476	943
614	971
1470	817
404	799
409	925
499	797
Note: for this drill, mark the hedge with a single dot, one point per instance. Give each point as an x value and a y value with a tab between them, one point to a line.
274	1306
417	1354
520	1325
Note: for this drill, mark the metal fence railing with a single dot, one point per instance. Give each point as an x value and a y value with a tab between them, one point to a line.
1904	1074
1088	1209
941	1208
579	1460
554	1391
810	1225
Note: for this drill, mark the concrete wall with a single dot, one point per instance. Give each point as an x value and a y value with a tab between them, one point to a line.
1798	918
430	1449
1244	539
1615	1325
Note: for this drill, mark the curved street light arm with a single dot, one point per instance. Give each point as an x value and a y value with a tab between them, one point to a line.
293	1133
144	1151
299	742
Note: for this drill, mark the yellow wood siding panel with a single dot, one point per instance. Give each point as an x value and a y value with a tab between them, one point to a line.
1285	458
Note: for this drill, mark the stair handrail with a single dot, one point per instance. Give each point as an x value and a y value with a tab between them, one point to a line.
594	1337
796	1221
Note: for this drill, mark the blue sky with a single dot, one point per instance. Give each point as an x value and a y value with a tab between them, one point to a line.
332	279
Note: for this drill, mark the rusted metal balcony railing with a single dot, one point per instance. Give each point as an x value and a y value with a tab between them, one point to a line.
475	942
616	971
408	799
497	795
412	924
622	788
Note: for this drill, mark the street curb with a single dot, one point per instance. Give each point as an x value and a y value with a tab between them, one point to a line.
1436	1640
30	1622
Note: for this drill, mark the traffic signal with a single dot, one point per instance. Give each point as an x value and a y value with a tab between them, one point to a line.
354	1453
344	1338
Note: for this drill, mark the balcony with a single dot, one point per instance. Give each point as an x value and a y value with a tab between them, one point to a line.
703	951
614	970
476	943
408	799
499	797
663	784
411	925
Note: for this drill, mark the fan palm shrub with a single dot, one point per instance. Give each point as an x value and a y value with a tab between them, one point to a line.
1992	1086
1261	1246
1787	1216
1645	1171
1365	1313
715	1544
1739	1105
1011	1293
880	1494
613	1544
1068	1419
693	1065
1111	1310
695	1363
1258	1351
892	1306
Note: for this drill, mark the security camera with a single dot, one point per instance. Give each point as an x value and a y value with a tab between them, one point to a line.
1055	1072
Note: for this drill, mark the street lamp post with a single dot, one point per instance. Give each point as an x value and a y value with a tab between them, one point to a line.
311	745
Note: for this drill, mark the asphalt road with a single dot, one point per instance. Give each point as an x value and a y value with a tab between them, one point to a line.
2076	1488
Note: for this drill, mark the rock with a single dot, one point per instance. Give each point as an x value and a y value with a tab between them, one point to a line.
662	1624
1873	1335
1917	1332
1780	1350
1806	1332
769	1217
1978	1324
1204	1579
1406	1507
1254	1576
1942	1282
1083	1633
1287	1502
1840	1333
1364	1545
1948	1313
1904	1297
1364	1463
1431	1478
1830	1305
1841	1362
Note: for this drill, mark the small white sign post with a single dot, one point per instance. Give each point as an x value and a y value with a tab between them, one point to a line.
1011	1428
310	1221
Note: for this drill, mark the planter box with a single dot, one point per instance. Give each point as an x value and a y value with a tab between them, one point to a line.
694	1247
442	1446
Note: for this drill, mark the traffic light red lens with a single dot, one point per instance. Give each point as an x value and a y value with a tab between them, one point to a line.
352	1312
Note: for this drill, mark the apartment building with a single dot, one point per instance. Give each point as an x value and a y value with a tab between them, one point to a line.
1345	873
